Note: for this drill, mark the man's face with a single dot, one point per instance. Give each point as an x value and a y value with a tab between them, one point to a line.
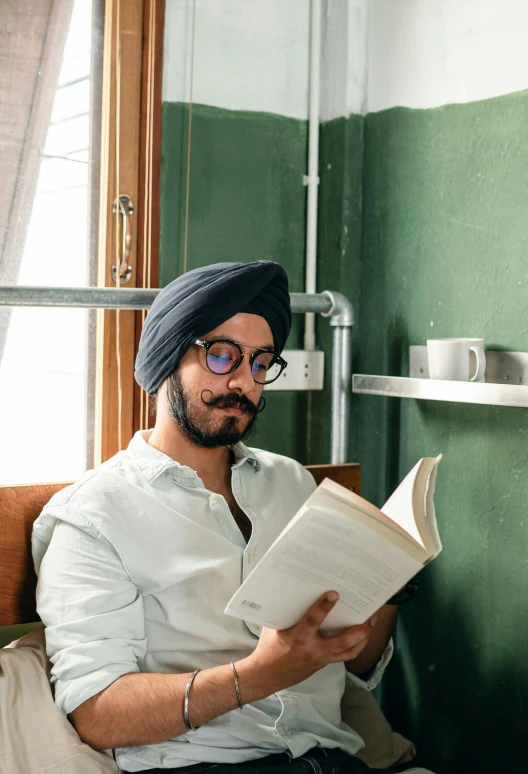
219	410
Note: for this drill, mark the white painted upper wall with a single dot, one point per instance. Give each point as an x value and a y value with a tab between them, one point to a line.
426	53
248	54
254	55
344	58
376	54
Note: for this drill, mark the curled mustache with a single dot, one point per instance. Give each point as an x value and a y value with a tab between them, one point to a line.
232	400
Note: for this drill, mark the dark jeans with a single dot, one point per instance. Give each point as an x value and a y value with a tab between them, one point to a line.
316	761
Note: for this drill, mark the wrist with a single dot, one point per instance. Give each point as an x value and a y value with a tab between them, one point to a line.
256	680
405	594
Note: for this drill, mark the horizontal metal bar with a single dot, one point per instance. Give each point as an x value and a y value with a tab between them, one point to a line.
103	298
434	389
310	302
124	298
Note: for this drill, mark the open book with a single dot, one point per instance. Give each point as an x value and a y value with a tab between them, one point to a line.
339	541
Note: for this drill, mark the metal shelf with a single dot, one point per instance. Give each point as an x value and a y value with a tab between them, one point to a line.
505	382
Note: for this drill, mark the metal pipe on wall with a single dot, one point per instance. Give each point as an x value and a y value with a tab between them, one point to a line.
336	306
90	298
341	320
341	390
311	180
123	298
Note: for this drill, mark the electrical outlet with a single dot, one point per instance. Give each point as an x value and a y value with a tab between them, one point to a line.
305	371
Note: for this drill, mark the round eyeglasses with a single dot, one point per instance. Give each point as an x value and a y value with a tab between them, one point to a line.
224	356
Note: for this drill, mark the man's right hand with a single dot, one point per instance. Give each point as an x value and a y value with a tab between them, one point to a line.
287	657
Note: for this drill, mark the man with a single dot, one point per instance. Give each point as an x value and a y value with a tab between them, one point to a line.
137	561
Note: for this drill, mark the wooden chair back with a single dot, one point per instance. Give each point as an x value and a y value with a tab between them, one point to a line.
20	506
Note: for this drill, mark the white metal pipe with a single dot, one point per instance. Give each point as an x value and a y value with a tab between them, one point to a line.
312	178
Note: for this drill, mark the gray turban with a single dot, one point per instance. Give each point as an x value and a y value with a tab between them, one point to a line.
201	300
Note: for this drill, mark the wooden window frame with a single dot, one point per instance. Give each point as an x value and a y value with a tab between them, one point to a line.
130	151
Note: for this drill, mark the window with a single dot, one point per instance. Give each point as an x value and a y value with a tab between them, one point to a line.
80	118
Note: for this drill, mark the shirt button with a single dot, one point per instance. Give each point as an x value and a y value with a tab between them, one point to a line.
185	472
283	728
250	557
214	497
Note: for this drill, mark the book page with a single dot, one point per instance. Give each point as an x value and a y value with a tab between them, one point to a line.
399	506
430	527
323	551
412	506
330	495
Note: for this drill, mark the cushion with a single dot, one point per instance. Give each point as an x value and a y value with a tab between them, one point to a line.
10	633
383	746
35	737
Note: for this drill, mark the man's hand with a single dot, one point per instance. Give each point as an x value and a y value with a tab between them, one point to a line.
287	657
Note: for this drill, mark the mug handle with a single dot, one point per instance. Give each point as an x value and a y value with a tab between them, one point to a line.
481	364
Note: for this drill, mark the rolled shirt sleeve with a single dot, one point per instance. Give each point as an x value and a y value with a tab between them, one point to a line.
93	613
377	673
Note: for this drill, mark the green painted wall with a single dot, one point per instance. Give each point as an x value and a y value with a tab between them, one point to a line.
445	240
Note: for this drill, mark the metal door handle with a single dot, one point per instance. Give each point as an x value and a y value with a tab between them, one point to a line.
123	204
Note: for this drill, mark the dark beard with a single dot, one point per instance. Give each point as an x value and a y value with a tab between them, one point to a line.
227	434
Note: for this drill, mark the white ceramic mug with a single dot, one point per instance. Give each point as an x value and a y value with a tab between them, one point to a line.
461	360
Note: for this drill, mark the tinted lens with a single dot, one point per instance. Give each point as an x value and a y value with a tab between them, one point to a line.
222	357
265	368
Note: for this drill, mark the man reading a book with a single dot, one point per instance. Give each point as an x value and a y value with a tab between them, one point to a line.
138	560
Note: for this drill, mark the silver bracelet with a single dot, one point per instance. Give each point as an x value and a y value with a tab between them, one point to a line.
237	688
186	701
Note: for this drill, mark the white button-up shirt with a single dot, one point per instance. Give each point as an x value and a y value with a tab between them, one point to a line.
136	563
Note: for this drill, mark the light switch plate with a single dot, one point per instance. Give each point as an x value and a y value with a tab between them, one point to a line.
305	371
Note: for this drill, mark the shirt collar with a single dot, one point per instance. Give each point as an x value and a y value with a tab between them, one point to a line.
244	454
152	462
